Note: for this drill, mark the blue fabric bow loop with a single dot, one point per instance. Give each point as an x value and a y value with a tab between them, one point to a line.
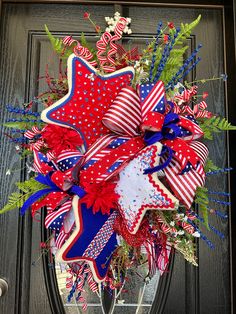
169	131
165	149
52	187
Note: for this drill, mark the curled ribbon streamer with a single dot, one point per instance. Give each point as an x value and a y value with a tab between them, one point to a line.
69	279
106	55
92	284
198	111
79	50
167	150
186	95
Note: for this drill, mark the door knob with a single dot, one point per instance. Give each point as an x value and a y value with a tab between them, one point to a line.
3	287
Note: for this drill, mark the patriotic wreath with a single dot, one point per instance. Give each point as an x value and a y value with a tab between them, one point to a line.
117	157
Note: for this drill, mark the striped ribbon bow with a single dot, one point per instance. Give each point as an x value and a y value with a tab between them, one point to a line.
130	114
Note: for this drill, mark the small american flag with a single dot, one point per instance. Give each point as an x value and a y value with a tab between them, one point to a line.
54	220
152	98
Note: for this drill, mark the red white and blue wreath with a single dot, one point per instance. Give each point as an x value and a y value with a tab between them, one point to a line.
118	159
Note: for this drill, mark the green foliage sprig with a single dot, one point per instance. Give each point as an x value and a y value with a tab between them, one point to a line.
65	52
17	199
23	125
214	125
176	57
186	30
202	200
210	166
58	45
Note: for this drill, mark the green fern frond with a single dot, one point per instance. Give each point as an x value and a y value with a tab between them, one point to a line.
214	125
30	185
57	43
202	200
186	30
58	46
210	166
23	125
17	199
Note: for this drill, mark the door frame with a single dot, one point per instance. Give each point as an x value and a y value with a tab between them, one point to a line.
228	8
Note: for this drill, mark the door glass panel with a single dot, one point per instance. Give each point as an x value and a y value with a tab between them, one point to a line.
135	296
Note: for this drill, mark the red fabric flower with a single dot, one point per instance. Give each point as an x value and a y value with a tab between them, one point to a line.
86	15
205	95
171	25
58	138
101	196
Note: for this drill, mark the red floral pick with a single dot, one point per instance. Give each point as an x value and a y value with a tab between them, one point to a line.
59	138
166	38
101	196
171	25
97	28
205	95
86	15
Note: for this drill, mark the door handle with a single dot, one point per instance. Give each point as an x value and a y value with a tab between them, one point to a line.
3	287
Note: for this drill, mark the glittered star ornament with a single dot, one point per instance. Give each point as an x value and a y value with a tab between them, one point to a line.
90	95
93	240
141	192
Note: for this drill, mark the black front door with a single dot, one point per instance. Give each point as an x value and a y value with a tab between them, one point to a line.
25	51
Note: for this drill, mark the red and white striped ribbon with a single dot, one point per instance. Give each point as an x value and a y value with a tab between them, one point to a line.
84	303
79	50
30	134
61	238
69	279
184	186
37	145
92	284
124	115
186	95
50	155
187	227
201	150
105	55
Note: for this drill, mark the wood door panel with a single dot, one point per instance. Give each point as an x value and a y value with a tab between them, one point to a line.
200	295
25	51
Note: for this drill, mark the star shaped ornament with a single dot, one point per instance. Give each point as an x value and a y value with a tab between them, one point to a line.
141	192
93	240
90	95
